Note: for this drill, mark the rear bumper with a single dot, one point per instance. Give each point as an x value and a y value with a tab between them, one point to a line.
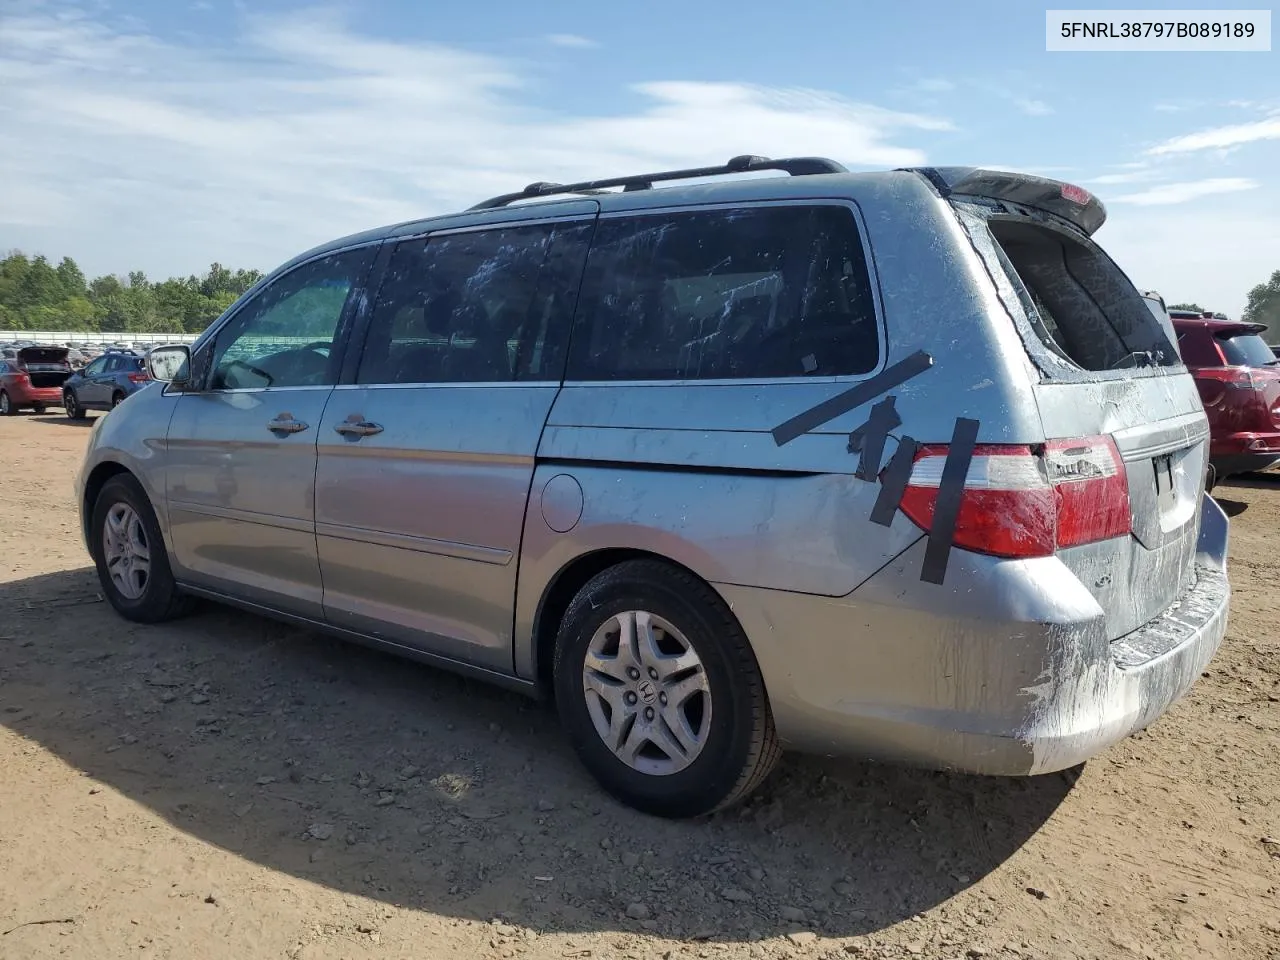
1242	452
30	396
991	675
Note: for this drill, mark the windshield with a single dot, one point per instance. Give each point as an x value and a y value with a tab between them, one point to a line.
1247	350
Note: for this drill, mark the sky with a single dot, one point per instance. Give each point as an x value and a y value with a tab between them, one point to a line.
163	135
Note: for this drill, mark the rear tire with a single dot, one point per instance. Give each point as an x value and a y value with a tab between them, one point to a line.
129	552
117	398
695	689
7	409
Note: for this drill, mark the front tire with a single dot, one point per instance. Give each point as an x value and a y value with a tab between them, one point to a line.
129	552
72	406
660	693
7	408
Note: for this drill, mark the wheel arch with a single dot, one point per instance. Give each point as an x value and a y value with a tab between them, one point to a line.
564	586
93	484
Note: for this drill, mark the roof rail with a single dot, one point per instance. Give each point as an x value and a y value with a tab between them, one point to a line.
796	166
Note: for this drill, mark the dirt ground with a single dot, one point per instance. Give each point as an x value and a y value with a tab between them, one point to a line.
229	787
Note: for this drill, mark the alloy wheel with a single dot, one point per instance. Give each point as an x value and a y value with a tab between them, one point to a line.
647	693
127	553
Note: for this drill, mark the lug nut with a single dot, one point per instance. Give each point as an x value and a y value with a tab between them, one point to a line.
630	698
648	713
662	699
653	674
633	673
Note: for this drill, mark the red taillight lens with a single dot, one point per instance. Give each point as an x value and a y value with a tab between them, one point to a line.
1020	504
138	377
1091	488
1238	378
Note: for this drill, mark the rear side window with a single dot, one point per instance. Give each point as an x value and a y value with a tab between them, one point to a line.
757	292
1246	350
1079	302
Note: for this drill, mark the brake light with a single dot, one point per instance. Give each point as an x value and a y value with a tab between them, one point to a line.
139	377
1235	378
1075	194
1018	502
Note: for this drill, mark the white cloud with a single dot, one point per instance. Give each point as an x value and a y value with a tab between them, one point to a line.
129	151
1133	176
1173	193
570	40
1032	108
1191	254
1221	137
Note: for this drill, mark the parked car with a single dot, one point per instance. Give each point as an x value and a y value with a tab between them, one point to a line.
1238	377
31	378
104	383
894	465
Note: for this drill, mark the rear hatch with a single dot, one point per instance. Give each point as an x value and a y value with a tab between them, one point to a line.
46	366
1251	367
1121	414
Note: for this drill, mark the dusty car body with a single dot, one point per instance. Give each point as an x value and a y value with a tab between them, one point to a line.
846	463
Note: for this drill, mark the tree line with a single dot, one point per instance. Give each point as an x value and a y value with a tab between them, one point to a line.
36	295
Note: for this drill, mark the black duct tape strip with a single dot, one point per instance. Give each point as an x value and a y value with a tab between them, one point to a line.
894	483
856	396
947	507
855	438
884	417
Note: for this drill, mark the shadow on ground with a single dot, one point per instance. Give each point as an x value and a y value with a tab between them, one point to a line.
61	420
349	768
1232	508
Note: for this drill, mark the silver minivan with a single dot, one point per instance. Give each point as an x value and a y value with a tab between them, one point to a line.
890	465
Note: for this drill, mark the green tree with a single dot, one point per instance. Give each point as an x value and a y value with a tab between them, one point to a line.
34	295
41	286
71	277
1264	307
1187	306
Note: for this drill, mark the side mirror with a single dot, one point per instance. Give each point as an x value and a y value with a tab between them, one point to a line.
170	364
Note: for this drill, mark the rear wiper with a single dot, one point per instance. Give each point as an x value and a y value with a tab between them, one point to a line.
1136	354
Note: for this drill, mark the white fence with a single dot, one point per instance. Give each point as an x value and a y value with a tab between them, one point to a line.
95	336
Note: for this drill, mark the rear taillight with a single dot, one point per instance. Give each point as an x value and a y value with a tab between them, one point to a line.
140	377
1235	378
1019	502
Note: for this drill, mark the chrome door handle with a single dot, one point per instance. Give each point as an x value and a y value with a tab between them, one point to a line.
356	427
286	424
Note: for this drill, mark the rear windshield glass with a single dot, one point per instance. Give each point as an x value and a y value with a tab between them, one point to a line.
1079	302
1246	350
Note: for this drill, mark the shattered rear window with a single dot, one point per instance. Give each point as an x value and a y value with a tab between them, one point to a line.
1081	305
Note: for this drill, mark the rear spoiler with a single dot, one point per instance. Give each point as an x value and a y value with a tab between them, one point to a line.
1236	329
1073	204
